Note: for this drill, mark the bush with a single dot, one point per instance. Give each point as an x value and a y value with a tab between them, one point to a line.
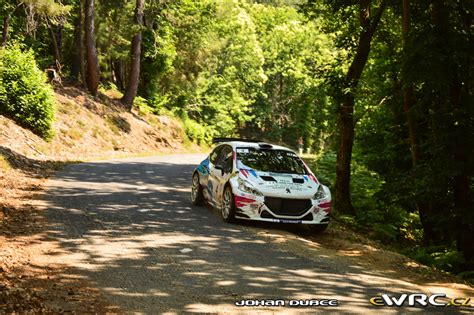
24	94
387	223
197	132
440	257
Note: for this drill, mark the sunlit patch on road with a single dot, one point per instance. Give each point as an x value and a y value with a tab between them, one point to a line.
150	250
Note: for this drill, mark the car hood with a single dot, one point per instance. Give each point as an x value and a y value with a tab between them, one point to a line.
281	185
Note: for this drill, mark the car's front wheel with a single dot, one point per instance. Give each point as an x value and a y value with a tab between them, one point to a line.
228	205
197	196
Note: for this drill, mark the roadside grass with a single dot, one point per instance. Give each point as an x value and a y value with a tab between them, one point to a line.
68	108
111	91
82	134
98	132
143	154
4	164
112	125
75	134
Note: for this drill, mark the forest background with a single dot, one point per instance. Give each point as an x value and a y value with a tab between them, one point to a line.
379	93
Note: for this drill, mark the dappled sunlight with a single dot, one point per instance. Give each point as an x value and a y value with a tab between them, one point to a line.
225	282
123	292
142	242
451	289
351	253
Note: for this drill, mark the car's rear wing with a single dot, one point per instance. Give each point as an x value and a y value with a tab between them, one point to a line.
218	140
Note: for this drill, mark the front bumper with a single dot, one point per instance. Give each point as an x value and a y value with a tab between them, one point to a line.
250	207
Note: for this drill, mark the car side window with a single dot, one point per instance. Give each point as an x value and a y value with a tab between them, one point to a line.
226	158
215	154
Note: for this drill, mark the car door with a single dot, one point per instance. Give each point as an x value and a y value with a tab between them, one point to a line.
221	173
209	193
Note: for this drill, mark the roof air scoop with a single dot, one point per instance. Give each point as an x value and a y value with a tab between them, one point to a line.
264	145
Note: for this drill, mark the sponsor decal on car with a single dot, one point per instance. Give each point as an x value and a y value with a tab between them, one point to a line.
241	201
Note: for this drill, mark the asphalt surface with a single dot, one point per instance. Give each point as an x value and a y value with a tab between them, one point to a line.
128	226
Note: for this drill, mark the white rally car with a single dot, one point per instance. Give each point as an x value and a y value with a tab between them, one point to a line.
259	181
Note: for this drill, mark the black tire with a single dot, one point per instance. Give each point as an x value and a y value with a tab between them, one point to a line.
197	197
317	228
228	205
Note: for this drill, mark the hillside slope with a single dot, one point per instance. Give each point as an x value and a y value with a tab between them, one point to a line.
86	128
89	128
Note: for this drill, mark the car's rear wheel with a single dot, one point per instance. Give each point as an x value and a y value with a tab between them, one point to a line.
317	228
228	205
197	196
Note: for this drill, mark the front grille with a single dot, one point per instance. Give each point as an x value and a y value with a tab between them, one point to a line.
266	215
288	207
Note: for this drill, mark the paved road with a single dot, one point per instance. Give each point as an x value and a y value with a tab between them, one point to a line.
128	226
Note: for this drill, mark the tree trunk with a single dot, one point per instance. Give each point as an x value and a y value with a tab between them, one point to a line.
344	155
6	25
346	110
132	86
78	64
77	46
82	62
425	209
408	95
461	95
117	67
55	48
93	74
6	28
59	36
464	215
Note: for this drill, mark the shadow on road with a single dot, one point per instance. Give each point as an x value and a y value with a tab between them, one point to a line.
129	227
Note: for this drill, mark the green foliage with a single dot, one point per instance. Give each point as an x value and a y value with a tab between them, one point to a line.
48	8
197	132
24	94
140	102
364	185
275	69
448	259
293	103
246	69
385	222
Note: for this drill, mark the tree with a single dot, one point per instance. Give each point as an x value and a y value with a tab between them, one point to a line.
93	71
6	21
292	102
77	62
428	163
408	93
133	80
347	101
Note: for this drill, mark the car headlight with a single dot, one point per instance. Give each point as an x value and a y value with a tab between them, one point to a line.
320	193
248	188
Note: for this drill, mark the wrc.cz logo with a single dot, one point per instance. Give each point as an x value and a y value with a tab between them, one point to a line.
420	299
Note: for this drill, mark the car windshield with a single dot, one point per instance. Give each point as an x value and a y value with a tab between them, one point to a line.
265	160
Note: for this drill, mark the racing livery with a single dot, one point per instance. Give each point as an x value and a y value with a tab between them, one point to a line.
258	181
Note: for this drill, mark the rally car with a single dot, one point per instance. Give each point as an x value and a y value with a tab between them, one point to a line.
255	180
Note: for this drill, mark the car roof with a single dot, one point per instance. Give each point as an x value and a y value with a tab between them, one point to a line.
239	144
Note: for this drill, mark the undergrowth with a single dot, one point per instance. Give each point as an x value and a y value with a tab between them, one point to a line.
390	224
